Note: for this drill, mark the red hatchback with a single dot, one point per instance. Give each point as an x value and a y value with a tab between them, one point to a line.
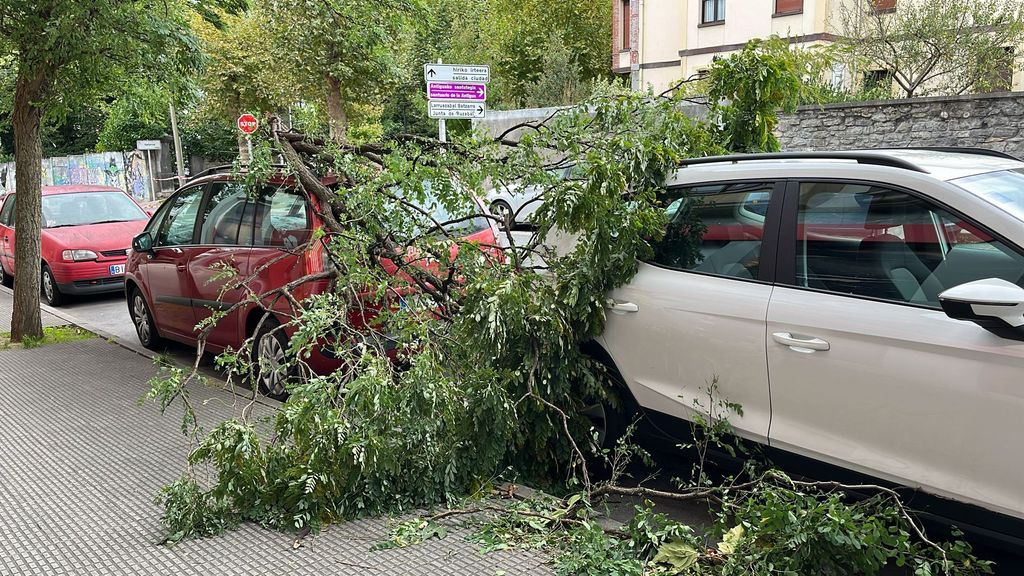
87	231
210	223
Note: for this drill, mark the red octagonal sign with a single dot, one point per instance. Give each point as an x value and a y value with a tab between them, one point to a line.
248	123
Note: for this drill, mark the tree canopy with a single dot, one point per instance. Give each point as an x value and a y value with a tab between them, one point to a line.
66	55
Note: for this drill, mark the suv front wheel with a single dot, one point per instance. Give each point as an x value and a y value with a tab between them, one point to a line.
143	320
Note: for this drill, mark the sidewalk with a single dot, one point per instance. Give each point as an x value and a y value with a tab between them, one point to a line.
6	301
81	462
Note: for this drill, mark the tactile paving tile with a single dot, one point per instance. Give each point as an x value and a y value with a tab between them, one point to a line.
80	462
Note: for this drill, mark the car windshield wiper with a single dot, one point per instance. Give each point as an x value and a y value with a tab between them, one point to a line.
104	222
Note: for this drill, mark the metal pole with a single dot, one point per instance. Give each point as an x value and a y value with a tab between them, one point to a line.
178	160
248	147
442	128
152	179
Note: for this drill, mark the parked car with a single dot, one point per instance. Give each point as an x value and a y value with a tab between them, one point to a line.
86	233
515	203
866	310
171	279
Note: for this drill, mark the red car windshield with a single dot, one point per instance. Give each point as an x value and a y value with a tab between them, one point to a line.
85	208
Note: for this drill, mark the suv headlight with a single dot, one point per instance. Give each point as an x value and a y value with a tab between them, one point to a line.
78	255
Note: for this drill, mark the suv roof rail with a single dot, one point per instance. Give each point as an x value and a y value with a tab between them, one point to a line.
212	170
968	150
224	168
874	158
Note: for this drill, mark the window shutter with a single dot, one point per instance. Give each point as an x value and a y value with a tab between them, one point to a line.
787	6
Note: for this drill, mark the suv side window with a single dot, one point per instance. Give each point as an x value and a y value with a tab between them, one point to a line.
870	240
224	214
281	218
716	229
7	213
178	220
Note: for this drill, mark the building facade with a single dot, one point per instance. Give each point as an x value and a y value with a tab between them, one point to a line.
659	42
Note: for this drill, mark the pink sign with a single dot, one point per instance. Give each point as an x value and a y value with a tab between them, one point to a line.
457	91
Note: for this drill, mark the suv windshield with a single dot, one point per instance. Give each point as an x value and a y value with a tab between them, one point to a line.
84	208
1005	189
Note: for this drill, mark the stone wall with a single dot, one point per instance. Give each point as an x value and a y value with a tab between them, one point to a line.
994	121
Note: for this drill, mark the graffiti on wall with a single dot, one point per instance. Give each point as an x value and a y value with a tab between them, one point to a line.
127	171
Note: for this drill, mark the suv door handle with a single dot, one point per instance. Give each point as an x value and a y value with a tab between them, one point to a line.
805	345
620	306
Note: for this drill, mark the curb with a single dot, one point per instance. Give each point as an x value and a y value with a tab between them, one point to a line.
138	349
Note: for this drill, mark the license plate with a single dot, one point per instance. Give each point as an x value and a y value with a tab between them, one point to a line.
117	269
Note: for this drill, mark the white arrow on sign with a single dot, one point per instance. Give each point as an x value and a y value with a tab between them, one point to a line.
451	110
456	73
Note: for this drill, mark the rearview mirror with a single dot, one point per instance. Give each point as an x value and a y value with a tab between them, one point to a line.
994	304
143	242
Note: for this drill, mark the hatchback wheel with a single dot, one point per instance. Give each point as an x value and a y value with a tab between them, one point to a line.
143	320
51	293
502	210
269	356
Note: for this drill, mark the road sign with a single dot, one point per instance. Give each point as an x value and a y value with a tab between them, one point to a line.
248	123
451	110
457	91
456	73
148	145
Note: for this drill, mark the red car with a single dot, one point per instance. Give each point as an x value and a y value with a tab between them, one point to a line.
212	222
87	231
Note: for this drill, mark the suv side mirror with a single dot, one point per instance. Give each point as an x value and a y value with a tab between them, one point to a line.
994	304
143	242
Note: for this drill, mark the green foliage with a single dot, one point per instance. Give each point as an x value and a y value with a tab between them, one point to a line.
82	49
412	532
194	511
748	89
208	136
139	114
51	335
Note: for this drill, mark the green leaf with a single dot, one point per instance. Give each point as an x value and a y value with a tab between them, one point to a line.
732	539
679	555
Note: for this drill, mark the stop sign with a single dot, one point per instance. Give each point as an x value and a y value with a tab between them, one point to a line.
248	123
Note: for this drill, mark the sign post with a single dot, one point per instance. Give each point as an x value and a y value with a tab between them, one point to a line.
247	124
149	146
455	91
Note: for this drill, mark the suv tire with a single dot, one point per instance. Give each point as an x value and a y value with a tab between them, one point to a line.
269	355
142	318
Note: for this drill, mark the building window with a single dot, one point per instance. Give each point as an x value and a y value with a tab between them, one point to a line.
712	11
783	7
627	36
878	80
883	5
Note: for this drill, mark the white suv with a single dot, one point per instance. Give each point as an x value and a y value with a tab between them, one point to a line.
865	308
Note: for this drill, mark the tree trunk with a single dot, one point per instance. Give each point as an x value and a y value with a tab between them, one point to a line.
28	155
337	120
